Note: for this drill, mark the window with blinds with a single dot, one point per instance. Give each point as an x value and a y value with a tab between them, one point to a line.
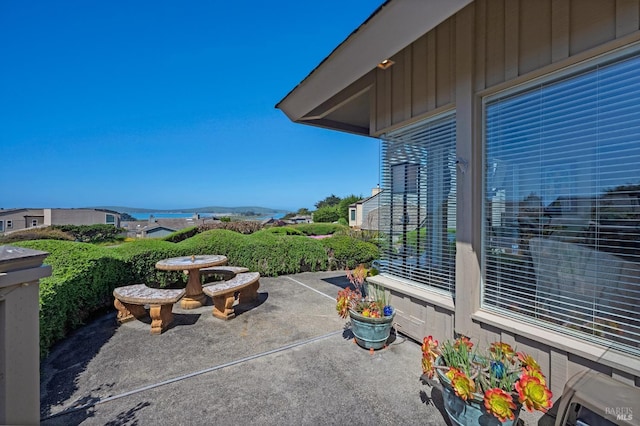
417	211
561	228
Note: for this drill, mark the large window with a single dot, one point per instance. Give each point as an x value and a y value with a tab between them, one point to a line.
561	228
417	210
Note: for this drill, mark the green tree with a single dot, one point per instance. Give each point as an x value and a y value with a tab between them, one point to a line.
127	217
331	200
343	206
326	214
303	212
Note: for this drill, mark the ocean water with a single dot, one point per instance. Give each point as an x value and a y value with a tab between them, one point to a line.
160	215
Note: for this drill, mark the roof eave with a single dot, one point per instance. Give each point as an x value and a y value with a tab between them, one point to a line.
393	26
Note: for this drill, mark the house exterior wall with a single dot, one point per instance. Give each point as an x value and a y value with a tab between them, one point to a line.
80	217
24	218
157	233
355	215
488	46
20	218
370	221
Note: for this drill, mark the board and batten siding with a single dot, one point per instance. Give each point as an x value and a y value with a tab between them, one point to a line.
492	45
511	39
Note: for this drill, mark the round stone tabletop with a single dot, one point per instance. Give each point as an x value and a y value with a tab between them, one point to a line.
191	262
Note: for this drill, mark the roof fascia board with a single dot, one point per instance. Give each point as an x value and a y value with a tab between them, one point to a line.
340	99
395	25
335	125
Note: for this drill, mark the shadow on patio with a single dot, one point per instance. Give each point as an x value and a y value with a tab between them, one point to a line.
288	360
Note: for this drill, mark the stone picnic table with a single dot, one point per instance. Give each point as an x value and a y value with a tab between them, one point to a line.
194	297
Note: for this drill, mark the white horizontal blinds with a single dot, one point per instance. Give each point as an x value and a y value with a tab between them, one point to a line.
562	204
418	203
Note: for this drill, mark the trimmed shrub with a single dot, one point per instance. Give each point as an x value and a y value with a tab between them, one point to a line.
347	252
264	252
327	214
320	228
242	226
281	230
181	235
98	233
141	257
36	234
82	282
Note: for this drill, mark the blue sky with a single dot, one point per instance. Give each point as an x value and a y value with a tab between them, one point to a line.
168	105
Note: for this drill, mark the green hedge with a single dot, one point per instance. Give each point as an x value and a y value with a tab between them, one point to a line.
348	252
141	257
82	282
320	228
181	235
84	275
97	233
264	252
36	234
281	230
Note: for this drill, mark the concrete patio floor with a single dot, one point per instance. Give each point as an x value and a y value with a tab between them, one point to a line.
287	361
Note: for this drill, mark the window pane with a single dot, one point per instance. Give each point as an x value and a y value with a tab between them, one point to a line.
562	204
417	213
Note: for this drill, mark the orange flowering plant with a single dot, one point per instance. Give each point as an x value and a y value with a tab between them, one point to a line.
500	377
367	299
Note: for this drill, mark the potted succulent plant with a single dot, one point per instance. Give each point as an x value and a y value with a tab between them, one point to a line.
367	306
478	385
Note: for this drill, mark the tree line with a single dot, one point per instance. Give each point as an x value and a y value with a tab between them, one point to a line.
330	209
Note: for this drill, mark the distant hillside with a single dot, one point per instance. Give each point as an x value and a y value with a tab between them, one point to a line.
259	211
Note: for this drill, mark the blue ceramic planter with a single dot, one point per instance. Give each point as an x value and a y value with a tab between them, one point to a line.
371	333
470	412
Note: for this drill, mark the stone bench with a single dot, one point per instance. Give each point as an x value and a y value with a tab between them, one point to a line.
223	293
130	301
228	272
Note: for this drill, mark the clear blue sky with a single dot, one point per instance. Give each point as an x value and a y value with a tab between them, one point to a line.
167	104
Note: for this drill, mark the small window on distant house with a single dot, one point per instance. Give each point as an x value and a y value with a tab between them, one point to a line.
1	225
111	219
353	215
34	222
9	224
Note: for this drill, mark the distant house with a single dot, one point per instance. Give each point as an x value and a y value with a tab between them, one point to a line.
160	227
157	232
12	220
301	219
359	211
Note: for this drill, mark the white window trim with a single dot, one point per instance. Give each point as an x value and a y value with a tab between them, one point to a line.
420	292
610	357
536	331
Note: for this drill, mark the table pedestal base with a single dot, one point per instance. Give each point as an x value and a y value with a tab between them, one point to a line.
193	302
